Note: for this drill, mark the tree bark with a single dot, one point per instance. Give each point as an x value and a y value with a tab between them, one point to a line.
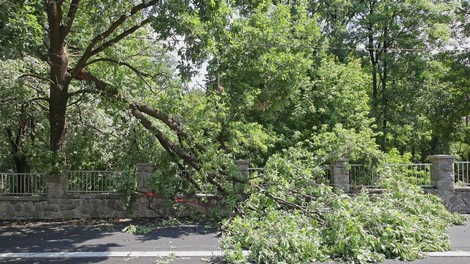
383	80
58	89
19	158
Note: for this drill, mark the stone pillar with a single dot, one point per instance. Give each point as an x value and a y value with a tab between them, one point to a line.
56	192
339	175
57	185
442	172
144	171
243	167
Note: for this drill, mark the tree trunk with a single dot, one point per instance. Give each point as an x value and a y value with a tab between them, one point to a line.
19	183
16	144
373	58
374	73
60	78
57	113
384	79
435	145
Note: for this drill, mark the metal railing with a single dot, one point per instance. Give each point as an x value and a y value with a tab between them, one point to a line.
22	184
256	172
462	172
360	175
326	172
417	173
259	172
92	181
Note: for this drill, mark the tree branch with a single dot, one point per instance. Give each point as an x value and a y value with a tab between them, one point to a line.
102	86
83	91
38	99
119	37
70	18
138	110
118	63
36	76
54	16
13	145
288	204
164	141
90	51
139	73
170	122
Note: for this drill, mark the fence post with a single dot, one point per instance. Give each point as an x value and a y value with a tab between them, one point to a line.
57	184
144	171
442	172
339	175
243	167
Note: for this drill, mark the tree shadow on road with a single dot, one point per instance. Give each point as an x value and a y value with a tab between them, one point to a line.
53	237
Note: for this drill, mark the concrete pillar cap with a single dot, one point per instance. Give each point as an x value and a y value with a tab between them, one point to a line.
242	161
441	156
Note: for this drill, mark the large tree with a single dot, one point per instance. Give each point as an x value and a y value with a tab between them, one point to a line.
73	37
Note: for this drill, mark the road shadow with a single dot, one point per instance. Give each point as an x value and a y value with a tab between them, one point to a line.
103	236
52	237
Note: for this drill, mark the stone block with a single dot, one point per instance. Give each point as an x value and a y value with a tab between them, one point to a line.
445	185
51	207
442	172
27	207
455	199
339	175
243	166
55	192
53	215
466	197
145	168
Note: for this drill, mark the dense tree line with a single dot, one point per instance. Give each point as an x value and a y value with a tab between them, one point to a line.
278	74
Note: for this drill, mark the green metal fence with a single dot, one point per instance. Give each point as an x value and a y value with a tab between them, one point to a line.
462	172
360	175
92	181
22	184
417	173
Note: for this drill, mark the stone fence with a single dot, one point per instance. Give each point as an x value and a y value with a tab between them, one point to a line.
58	204
456	199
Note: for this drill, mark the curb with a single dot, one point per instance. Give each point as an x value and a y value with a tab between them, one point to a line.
449	254
216	253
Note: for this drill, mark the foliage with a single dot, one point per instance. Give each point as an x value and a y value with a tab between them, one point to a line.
300	220
444	87
125	183
397	43
138	229
168	180
22	113
21	28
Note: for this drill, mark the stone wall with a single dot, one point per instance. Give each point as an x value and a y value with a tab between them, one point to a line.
58	204
456	199
89	206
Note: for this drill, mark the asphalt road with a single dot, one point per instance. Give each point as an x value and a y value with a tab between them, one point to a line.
56	237
77	236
